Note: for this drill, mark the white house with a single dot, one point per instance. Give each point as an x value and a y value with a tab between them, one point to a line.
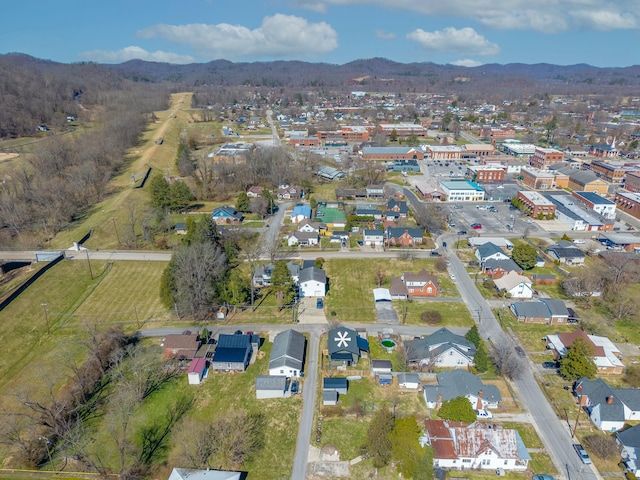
516	285
629	442
460	446
270	386
308	226
441	349
208	474
287	354
488	251
460	383
608	408
313	282
373	238
308	239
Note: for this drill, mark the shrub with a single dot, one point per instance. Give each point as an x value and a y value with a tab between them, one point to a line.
603	446
431	317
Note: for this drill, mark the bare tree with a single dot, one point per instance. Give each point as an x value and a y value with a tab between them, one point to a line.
507	362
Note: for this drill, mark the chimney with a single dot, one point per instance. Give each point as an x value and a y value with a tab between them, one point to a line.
609	400
480	394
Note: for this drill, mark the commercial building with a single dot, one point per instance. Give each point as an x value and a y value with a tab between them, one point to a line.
600	205
537	204
537	179
628	203
486	173
543	158
462	191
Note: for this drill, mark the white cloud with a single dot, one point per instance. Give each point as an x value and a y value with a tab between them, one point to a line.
467	62
548	16
384	35
464	41
604	20
132	53
279	35
310	5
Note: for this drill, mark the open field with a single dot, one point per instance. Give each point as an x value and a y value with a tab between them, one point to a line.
69	299
352	282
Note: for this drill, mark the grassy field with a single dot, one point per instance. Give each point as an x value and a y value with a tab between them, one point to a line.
454	314
68	297
352	282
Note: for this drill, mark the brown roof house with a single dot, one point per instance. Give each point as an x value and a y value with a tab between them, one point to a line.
421	284
606	355
181	346
460	446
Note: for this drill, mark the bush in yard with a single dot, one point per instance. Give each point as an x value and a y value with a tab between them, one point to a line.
431	317
441	264
332	411
602	445
489	284
525	255
632	376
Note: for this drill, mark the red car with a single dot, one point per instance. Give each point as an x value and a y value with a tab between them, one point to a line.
476	226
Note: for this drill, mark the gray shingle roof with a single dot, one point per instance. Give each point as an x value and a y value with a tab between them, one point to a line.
488	249
313	273
460	383
271	382
288	350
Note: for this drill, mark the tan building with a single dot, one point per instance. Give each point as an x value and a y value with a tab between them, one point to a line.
402	129
543	180
609	172
536	204
478	149
586	181
387	154
543	158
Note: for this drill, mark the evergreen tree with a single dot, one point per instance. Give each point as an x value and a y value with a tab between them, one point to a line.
473	336
160	192
425	467
481	359
405	446
282	283
525	255
242	203
578	362
378	444
180	196
458	409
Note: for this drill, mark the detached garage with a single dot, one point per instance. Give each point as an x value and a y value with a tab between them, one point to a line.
270	386
197	371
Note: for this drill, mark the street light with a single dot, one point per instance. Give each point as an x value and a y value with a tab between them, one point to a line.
47	442
46	316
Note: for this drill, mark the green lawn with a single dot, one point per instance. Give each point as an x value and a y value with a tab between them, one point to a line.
454	314
352	282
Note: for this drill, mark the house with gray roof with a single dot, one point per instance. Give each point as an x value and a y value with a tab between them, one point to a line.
270	386
346	347
442	348
287	354
608	408
312	282
629	442
208	474
489	251
566	255
461	383
544	310
498	267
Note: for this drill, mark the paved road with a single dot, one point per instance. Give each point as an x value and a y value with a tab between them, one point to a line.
550	428
109	255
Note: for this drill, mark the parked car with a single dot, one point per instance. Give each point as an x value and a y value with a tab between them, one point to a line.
457	207
486	414
549	364
579	241
294	387
462	232
319	303
582	453
452	276
543	476
476	226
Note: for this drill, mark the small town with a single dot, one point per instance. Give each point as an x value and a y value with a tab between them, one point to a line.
289	270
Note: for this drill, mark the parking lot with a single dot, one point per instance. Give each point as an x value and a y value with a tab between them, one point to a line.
500	220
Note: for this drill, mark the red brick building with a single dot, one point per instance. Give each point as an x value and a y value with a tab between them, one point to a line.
628	203
486	173
632	182
536	204
543	158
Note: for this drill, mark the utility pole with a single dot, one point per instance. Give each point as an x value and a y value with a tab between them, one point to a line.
46	316
573	433
86	251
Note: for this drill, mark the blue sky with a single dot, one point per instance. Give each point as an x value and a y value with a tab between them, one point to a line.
603	33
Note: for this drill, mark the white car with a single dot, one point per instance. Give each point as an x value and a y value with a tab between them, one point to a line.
452	276
486	414
579	241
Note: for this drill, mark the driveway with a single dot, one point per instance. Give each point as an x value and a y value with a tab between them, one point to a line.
308	312
386	313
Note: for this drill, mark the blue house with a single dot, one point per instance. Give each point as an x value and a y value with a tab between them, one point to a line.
233	352
226	214
300	213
